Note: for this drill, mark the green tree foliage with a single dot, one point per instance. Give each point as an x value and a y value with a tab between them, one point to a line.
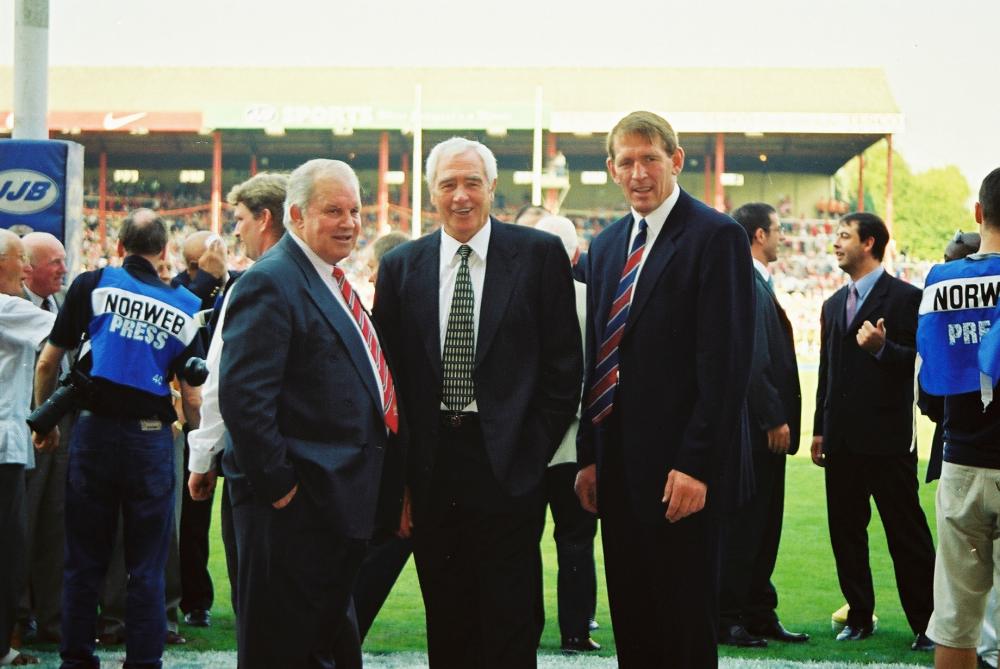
928	207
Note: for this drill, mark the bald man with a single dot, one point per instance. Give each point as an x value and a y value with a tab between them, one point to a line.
205	270
45	271
206	277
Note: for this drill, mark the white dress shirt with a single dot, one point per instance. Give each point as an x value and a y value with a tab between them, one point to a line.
450	262
23	328
654	222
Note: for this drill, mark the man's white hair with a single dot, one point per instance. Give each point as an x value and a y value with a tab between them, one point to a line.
6	237
303	179
563	228
455	145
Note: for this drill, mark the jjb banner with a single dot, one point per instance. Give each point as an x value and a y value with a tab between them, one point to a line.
41	189
958	307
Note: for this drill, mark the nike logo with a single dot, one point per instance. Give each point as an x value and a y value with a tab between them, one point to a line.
112	123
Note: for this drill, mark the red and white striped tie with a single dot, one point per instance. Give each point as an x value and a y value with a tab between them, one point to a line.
391	413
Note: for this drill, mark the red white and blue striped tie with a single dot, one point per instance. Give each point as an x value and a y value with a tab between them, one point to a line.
600	399
391	413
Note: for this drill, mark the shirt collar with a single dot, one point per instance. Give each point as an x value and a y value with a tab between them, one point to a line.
479	243
656	218
865	284
35	298
761	268
323	268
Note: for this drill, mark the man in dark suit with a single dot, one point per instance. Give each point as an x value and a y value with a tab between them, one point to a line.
481	322
46	483
669	342
310	407
863	429
748	600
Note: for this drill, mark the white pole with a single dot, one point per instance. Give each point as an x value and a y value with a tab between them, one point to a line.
31	69
536	156
417	171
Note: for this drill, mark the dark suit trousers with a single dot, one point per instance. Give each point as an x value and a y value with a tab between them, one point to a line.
750	548
851	481
13	526
196	518
477	555
295	579
574	536
662	582
46	499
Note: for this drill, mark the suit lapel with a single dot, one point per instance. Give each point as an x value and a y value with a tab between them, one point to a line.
659	257
336	316
501	269
423	301
782	316
610	275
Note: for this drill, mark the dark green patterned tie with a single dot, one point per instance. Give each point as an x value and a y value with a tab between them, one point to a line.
459	341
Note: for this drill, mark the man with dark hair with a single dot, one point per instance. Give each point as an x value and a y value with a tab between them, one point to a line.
136	333
670	303
863	429
968	507
748	600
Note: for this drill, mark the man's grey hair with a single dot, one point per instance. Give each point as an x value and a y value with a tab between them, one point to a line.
563	228
33	241
455	145
304	178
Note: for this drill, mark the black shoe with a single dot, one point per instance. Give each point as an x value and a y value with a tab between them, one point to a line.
922	642
29	630
775	630
852	633
737	635
198	618
174	638
578	644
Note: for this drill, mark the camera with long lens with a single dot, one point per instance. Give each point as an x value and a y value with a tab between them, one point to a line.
75	385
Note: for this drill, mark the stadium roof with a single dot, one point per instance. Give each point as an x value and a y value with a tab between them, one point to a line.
807	120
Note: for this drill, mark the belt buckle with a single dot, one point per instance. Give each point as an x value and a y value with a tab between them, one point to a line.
455	420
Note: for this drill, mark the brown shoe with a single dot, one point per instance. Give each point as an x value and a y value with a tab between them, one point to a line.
175	639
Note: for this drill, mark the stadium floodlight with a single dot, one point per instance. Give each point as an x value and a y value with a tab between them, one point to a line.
523	178
496	131
125	176
395	177
731	179
594	178
274	131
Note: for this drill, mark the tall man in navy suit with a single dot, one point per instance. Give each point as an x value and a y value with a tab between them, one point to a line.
748	600
863	429
670	307
310	406
480	318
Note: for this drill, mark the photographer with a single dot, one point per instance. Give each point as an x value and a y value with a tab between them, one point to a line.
136	334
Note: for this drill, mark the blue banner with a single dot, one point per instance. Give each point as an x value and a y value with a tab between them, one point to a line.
41	189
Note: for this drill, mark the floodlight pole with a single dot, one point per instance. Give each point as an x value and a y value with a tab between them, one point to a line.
31	69
418	153
102	194
383	185
720	167
217	182
536	154
888	185
861	181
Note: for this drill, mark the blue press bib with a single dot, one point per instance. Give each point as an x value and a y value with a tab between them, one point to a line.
138	329
958	306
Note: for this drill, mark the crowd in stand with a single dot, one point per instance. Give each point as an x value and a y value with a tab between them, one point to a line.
805	275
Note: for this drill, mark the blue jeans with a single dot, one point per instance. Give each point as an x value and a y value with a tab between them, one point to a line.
124	465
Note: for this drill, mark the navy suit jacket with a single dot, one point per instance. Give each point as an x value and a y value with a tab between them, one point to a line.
684	359
528	365
774	397
864	404
298	395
